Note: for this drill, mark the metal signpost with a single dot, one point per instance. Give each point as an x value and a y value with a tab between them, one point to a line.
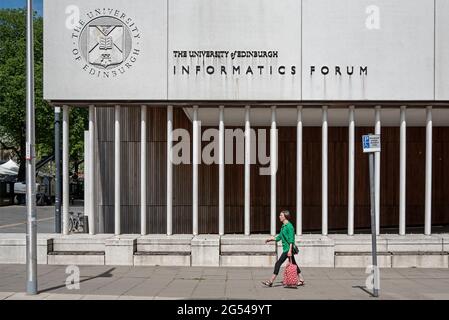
58	170
371	144
31	237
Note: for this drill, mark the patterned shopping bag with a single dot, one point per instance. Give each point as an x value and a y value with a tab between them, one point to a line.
290	275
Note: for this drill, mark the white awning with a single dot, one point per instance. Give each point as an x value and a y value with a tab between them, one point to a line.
9	168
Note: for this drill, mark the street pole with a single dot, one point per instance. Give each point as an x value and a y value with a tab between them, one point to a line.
58	170
371	145
373	226
31	236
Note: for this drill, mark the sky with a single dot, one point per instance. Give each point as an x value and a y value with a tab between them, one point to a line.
37	4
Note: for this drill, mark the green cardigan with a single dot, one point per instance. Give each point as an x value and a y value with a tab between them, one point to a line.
287	235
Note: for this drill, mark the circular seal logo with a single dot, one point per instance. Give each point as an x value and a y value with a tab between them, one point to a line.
108	44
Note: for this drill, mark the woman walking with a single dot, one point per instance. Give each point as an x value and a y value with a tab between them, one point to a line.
287	235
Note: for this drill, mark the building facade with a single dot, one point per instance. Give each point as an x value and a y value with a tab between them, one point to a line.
314	75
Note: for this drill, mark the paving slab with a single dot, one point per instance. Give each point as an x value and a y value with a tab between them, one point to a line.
179	288
139	272
4	295
125	297
24	296
147	288
119	287
437	296
99	297
56	296
168	298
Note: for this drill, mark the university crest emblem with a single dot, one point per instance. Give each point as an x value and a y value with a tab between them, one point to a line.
107	42
106	45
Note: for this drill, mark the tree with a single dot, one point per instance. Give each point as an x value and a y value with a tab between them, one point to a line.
13	93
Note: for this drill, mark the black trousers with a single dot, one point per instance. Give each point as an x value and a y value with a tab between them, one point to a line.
282	258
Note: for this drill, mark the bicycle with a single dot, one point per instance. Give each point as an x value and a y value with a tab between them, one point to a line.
76	222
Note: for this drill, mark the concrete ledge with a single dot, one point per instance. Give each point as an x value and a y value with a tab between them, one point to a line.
247	251
264	248
420	260
76	253
402	259
413	242
162	260
418	253
238	239
362	261
340	250
122	240
163	250
314	251
164	239
75	258
13	248
119	250
80	242
245	244
206	250
360	254
445	239
251	253
164	243
358	242
160	253
248	260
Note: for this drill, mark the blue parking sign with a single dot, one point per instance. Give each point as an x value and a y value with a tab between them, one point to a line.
365	142
371	143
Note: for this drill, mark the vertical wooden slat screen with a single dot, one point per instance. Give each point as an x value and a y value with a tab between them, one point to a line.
260	184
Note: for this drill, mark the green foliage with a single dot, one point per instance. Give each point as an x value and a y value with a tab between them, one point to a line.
13	93
78	123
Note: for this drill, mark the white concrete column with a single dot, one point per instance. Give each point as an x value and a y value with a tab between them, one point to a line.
117	171
91	170
221	172
143	170
65	170
351	169
428	192
377	130
324	171
247	171
169	170
299	125
196	155
274	164
402	170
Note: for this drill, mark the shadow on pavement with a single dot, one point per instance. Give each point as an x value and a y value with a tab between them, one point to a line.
364	289
106	274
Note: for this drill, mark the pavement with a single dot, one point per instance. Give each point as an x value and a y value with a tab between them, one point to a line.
13	218
153	283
